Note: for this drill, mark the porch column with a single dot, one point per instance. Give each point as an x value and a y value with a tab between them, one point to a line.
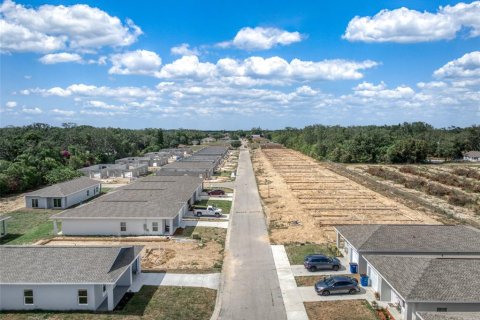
55	227
338	241
111	305
139	265
170	221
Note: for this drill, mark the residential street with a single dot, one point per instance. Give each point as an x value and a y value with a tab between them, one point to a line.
251	288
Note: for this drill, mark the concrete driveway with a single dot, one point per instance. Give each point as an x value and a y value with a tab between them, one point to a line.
206	280
308	294
299	270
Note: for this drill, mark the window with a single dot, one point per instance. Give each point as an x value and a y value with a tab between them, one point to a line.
104	288
28	296
88	193
154	226
82	296
167	228
441	309
57	203
123	226
34	203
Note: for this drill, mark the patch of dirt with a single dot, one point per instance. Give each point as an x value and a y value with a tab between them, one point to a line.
339	310
303	199
12	203
163	254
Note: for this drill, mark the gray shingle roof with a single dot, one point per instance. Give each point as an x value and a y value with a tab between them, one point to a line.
212	150
69	264
430	279
472	154
149	197
205	165
64	188
449	315
412	238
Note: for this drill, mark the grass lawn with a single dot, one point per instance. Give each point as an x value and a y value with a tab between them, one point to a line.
207	234
296	253
309	281
225	205
340	310
28	226
151	303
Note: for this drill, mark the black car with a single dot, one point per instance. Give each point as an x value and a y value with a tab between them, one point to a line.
314	262
337	284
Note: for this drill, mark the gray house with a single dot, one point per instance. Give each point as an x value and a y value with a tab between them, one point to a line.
63	195
434	240
3	226
66	278
473	156
202	169
153	205
118	170
427	284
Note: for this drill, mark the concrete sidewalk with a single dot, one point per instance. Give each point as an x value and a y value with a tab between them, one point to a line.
291	297
200	223
204	280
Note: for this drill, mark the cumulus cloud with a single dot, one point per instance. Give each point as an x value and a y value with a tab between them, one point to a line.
468	66
50	28
35	110
11	104
184	50
141	62
260	38
406	26
370	90
62	57
257	68
65	113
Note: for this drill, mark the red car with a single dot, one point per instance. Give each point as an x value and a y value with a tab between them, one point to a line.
216	193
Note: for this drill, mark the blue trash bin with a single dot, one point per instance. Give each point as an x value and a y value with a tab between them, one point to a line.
364	280
353	267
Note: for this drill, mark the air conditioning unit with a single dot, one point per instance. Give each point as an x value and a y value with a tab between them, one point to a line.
145	228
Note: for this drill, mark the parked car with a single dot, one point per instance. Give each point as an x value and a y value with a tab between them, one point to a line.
216	193
337	284
208	210
314	262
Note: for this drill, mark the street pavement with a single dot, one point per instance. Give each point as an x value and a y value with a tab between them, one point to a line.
250	288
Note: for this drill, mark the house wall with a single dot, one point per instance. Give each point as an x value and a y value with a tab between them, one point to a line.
68	201
42	202
49	297
84	227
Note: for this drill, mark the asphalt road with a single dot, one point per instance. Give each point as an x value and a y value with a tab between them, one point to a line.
250	289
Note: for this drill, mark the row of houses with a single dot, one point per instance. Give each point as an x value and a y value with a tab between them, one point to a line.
418	269
95	278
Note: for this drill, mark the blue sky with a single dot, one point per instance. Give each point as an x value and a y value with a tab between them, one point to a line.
237	65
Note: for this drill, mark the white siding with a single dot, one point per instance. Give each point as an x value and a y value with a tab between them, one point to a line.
70	200
48	297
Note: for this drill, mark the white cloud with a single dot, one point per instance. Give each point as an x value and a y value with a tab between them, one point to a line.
187	66
370	90
35	110
11	104
61	57
468	66
104	105
184	50
66	113
405	26
135	62
260	38
50	28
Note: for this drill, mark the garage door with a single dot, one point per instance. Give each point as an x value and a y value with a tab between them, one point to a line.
373	279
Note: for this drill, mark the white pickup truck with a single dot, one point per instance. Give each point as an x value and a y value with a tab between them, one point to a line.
209	210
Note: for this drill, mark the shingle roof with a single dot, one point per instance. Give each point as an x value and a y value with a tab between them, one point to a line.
69	264
449	315
64	188
206	165
149	197
212	150
472	154
412	238
430	279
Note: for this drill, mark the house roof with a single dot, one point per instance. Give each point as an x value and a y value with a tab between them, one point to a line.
473	154
149	197
430	279
64	188
412	238
212	150
64	264
449	315
205	165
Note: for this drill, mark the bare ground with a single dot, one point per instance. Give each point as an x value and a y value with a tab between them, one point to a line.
303	199
339	310
11	203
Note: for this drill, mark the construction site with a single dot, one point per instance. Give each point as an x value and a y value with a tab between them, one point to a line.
308	199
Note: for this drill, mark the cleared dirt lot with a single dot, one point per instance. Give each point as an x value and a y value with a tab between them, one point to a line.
303	199
163	254
339	310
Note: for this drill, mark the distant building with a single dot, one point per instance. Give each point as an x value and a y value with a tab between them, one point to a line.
63	195
117	170
472	156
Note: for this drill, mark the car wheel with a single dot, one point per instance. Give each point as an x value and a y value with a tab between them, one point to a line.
312	269
325	293
352	291
199	214
217	215
335	268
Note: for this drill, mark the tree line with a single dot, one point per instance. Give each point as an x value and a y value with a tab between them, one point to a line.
40	154
402	143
